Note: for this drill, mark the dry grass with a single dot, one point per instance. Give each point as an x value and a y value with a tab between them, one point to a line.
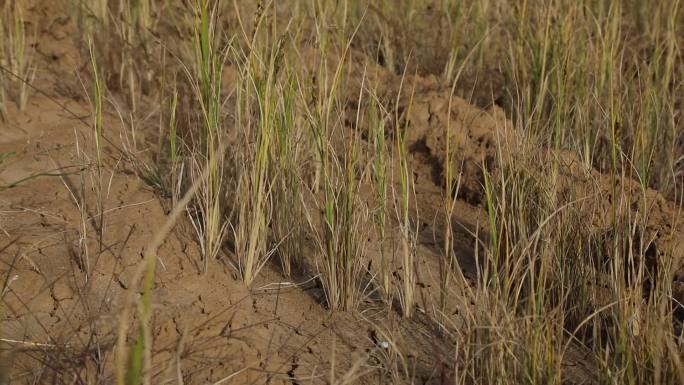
277	163
16	58
602	81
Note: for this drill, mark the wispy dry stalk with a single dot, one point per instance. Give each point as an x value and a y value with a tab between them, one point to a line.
16	58
402	208
376	121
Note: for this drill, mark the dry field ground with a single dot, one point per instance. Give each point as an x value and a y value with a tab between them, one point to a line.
341	192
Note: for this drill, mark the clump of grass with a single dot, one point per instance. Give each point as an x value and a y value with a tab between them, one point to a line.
254	190
16	58
377	118
135	27
96	98
123	33
343	252
260	115
211	224
403	207
337	175
287	154
519	299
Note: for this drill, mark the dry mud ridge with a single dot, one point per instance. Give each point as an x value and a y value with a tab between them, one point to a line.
68	269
